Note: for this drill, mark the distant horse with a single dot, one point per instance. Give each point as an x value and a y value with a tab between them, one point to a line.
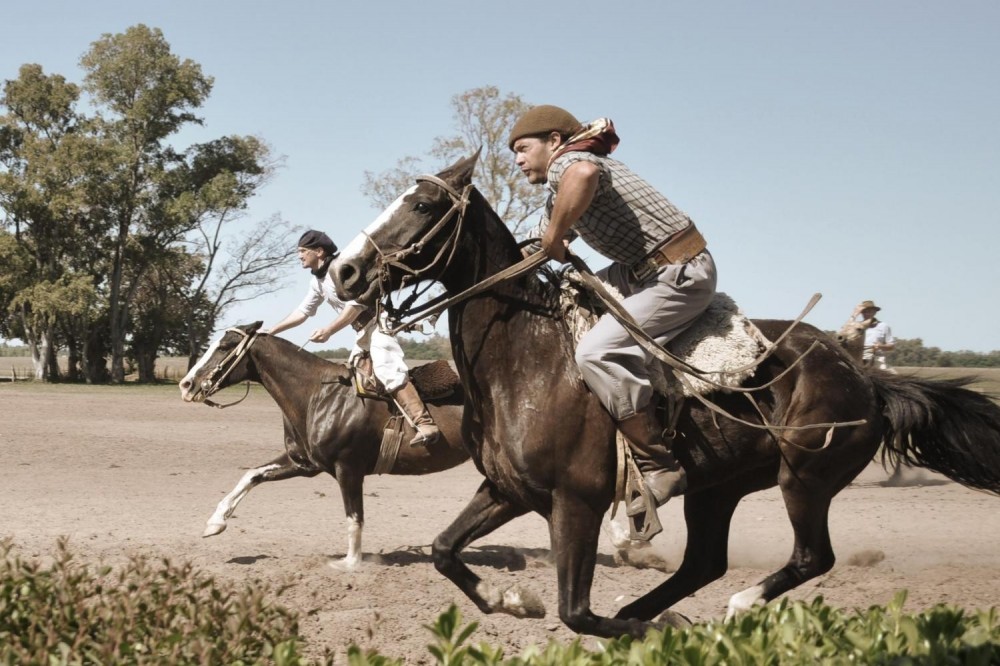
545	444
328	428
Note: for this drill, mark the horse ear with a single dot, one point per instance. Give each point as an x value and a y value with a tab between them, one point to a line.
460	173
252	328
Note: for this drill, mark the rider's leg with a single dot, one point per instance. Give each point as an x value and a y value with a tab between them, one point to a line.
416	411
662	474
616	367
389	366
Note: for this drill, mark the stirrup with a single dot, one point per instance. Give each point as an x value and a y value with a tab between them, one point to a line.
425	440
643	524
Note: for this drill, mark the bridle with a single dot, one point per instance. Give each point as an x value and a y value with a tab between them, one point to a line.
387	260
212	383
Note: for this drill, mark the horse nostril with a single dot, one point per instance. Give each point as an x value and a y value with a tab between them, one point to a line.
185	384
347	275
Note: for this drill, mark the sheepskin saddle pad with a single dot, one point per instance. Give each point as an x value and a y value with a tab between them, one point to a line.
722	342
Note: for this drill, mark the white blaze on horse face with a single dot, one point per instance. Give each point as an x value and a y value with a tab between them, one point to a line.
187	385
357	246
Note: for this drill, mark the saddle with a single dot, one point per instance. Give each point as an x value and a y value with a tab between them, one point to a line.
435	381
722	342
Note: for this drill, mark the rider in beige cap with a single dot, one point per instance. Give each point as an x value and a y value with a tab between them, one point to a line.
659	263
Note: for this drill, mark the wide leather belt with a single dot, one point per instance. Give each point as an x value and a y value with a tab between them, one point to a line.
363	319
678	248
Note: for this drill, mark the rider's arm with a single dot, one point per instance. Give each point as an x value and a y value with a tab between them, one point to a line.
345	318
309	306
291	321
576	192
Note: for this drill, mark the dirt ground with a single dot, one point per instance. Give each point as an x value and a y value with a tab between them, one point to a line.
123	470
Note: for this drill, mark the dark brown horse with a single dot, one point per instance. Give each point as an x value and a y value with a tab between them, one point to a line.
328	428
545	444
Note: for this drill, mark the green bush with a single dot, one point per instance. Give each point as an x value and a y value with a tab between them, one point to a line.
68	613
785	633
143	613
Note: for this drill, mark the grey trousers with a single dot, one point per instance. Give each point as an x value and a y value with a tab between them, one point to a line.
613	364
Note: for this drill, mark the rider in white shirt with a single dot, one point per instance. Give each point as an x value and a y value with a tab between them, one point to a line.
878	335
316	253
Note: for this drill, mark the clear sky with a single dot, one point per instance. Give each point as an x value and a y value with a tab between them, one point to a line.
850	148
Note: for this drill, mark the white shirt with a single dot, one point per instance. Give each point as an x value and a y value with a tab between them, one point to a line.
319	291
879	334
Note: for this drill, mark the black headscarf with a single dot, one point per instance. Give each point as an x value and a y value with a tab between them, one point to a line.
313	239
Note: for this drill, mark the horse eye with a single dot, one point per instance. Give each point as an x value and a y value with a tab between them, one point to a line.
421	207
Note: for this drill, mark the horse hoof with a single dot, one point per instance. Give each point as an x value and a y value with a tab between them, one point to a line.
344	564
211	529
521	602
674	619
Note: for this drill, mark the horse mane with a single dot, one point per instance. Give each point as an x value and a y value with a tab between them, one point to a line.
331	369
540	288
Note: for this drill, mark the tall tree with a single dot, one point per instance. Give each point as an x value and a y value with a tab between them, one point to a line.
96	205
145	94
483	118
42	149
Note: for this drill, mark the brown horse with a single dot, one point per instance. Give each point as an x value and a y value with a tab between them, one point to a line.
328	428
545	444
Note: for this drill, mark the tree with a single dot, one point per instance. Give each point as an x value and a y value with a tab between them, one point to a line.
96	205
483	118
43	148
213	185
145	94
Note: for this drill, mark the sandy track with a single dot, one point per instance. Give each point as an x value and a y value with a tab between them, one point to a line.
135	470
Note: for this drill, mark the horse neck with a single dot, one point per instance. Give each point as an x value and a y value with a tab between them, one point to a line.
485	247
512	319
288	374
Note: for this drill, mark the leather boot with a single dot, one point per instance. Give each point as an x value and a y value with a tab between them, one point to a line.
663	475
416	412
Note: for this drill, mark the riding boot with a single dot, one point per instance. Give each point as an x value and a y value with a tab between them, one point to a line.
662	474
416	412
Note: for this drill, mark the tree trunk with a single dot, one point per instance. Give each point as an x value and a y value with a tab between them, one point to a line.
52	373
95	363
146	361
72	359
37	357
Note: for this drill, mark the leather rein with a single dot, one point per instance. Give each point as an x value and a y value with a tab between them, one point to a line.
680	368
212	383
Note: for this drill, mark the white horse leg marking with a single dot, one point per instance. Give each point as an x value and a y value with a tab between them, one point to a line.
351	561
358	243
217	523
745	600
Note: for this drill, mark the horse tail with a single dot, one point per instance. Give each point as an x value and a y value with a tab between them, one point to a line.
943	426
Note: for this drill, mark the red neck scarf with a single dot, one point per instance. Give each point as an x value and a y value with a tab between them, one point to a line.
598	137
